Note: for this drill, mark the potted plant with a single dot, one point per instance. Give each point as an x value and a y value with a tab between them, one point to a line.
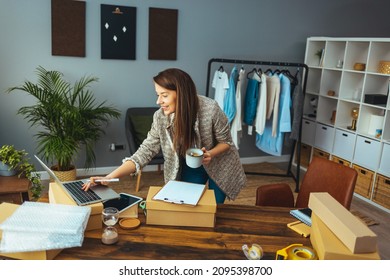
68	116
17	162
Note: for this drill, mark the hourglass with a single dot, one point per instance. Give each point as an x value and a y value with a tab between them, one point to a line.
110	216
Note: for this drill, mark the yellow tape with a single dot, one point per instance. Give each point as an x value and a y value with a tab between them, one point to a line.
296	252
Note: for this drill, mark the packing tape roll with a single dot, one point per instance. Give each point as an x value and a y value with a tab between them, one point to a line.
255	252
301	253
296	252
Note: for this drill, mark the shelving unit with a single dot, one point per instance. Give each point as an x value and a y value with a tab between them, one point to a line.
337	87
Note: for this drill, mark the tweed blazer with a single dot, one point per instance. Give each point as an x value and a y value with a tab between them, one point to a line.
211	128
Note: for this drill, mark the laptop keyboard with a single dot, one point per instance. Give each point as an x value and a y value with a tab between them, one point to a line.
83	196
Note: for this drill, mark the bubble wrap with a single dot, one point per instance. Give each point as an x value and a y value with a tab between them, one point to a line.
36	226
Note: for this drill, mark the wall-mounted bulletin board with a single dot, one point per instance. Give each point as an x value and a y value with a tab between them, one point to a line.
68	28
163	33
118	32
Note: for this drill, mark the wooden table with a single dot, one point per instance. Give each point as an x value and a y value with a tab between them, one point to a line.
14	189
235	225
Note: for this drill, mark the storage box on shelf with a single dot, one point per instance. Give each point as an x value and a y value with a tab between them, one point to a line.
384	167
341	160
346	111
305	155
344	144
367	152
364	181
320	153
381	194
308	131
324	137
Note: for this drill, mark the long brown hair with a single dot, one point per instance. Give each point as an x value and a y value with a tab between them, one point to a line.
187	106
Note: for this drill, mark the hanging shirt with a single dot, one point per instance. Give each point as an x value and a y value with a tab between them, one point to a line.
268	143
285	106
273	92
297	105
251	100
236	127
221	84
229	103
261	111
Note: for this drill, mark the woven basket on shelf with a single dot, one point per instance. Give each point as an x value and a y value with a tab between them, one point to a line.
384	67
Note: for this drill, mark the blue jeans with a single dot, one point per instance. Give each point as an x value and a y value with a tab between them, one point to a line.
200	176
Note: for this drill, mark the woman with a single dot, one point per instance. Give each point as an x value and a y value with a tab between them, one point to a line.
187	120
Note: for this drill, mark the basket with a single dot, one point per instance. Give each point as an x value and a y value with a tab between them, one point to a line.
64	176
384	67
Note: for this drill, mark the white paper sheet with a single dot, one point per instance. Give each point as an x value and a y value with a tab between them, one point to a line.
181	193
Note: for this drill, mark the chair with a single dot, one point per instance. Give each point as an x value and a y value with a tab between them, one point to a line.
138	123
322	175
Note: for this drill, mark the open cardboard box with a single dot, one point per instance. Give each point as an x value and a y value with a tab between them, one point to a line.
6	210
165	213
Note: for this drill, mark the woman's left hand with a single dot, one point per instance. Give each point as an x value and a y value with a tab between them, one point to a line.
206	156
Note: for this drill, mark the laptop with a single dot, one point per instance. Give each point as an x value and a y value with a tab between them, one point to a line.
98	193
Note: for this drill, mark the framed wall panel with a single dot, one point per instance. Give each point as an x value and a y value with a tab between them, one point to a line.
118	32
68	28
163	34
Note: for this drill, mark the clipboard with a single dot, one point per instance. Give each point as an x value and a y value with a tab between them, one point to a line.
300	228
179	192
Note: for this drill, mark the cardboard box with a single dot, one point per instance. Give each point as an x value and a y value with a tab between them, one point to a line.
354	234
164	213
6	210
59	196
329	247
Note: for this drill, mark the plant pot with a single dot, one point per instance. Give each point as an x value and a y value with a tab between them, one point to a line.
64	176
4	170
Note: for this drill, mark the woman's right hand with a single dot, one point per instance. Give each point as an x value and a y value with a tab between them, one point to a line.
92	182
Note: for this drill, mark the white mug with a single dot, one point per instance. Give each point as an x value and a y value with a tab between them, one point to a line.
194	157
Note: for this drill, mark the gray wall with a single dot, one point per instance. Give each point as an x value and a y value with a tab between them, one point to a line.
248	29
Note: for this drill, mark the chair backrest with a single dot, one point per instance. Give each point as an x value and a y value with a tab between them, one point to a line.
323	175
137	124
278	195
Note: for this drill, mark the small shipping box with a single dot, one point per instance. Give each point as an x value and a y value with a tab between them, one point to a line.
355	235
329	247
165	213
59	196
6	210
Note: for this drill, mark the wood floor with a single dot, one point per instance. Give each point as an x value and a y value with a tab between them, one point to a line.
247	197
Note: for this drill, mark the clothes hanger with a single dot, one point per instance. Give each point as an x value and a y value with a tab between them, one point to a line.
287	73
254	70
220	69
293	79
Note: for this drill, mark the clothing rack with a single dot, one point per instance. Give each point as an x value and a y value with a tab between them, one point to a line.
295	142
